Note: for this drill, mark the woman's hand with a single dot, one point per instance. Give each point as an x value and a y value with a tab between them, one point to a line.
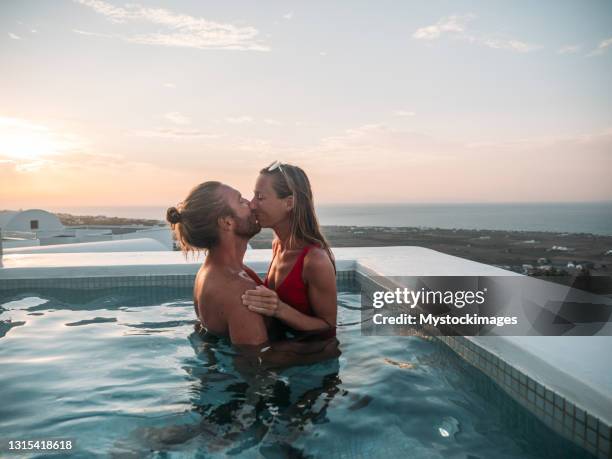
263	301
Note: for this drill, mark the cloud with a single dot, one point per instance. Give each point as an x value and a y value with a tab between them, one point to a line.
177	118
115	14
272	122
84	179
176	134
510	45
8	122
376	145
403	113
421	167
181	30
288	16
260	146
456	28
601	48
23	139
450	24
30	146
13	36
94	34
239	119
569	49
169	85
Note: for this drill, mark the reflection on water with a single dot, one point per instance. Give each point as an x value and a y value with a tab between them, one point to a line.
125	375
240	406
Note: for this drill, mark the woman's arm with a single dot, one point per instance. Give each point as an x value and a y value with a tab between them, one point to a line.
264	301
320	278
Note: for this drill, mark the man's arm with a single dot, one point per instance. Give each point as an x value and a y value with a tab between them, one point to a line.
288	353
245	327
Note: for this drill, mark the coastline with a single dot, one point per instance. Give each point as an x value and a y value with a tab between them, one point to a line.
562	257
536	253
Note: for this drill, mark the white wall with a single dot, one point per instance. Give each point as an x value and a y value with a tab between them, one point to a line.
84	232
53	240
161	234
132	245
10	243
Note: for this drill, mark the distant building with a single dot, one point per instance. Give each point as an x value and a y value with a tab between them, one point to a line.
527	269
39	231
37	227
585	265
34	221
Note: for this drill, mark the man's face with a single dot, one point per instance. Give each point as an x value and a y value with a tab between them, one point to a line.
246	223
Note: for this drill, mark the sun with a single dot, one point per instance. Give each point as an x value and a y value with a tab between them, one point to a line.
21	140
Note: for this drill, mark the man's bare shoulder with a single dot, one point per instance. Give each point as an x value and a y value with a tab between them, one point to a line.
223	288
245	326
219	295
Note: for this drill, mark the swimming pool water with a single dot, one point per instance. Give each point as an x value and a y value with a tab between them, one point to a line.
122	372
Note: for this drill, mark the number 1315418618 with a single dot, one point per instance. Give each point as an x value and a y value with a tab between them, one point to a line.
39	445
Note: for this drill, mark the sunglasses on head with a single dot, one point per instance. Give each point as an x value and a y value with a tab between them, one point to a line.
276	165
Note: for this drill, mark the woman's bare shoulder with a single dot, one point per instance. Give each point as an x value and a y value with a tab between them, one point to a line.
317	259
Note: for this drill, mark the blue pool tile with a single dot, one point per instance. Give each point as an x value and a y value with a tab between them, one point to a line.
591	436
591	422
580	415
558	401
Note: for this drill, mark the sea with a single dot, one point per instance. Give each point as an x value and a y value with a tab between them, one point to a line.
576	217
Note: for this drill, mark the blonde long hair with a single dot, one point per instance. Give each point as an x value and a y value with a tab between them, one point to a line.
289	180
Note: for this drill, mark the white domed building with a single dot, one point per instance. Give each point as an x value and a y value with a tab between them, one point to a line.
33	221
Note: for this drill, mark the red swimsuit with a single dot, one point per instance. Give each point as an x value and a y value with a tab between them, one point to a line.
292	289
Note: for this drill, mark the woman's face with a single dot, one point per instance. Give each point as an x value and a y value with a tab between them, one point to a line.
269	209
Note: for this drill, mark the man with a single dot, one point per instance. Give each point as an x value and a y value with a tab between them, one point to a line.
215	217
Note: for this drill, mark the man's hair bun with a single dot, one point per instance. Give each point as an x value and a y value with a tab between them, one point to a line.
173	215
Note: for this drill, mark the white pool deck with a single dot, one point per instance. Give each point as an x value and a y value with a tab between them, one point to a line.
577	368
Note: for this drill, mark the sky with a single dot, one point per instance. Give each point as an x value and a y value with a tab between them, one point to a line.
111	103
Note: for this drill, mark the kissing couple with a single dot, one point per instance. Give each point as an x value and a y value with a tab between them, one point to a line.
297	297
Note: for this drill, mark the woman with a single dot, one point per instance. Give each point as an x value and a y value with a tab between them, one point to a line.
300	286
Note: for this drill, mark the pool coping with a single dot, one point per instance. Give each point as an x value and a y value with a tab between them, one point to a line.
576	409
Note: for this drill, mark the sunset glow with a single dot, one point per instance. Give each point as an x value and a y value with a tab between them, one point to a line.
114	103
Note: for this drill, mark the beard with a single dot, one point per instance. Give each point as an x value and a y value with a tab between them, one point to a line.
247	227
